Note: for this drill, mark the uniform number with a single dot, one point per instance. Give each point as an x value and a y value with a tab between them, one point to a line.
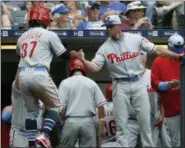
26	46
110	127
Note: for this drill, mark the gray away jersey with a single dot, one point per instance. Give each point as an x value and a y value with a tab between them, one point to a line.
122	57
19	110
36	47
80	96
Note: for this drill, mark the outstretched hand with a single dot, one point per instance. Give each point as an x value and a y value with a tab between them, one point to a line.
81	54
73	54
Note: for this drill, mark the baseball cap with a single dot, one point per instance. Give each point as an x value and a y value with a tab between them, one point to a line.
92	4
61	10
112	20
134	6
176	43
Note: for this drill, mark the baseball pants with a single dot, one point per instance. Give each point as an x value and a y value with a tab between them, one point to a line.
18	138
171	132
38	84
109	142
124	93
81	129
132	134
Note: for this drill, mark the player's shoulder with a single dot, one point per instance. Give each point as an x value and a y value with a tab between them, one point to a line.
132	37
106	44
50	32
130	34
63	83
89	80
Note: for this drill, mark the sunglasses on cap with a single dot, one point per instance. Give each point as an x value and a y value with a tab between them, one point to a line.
110	26
178	46
95	7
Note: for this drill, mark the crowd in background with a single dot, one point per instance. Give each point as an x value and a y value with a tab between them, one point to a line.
83	15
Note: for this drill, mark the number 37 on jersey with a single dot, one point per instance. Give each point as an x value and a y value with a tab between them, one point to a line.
28	48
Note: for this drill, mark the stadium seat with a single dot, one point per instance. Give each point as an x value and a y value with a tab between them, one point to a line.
18	18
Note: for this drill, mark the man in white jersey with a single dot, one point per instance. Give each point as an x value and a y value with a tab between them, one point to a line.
132	131
18	136
121	54
80	96
109	139
36	48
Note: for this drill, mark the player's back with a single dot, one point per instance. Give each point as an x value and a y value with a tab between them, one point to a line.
81	93
36	47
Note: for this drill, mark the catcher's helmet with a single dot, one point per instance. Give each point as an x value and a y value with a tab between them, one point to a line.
109	92
77	64
41	14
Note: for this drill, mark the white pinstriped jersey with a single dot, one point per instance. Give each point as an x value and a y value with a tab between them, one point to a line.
36	47
123	58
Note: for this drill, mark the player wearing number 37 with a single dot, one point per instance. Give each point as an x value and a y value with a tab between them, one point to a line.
36	48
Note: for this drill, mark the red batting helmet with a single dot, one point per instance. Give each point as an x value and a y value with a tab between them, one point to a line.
109	92
77	64
41	14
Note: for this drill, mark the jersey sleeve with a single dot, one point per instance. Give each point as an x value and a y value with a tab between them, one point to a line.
146	45
99	58
56	45
99	97
155	75
63	94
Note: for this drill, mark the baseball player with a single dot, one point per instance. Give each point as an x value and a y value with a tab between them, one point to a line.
109	139
36	48
121	54
132	131
165	80
18	136
5	125
80	96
